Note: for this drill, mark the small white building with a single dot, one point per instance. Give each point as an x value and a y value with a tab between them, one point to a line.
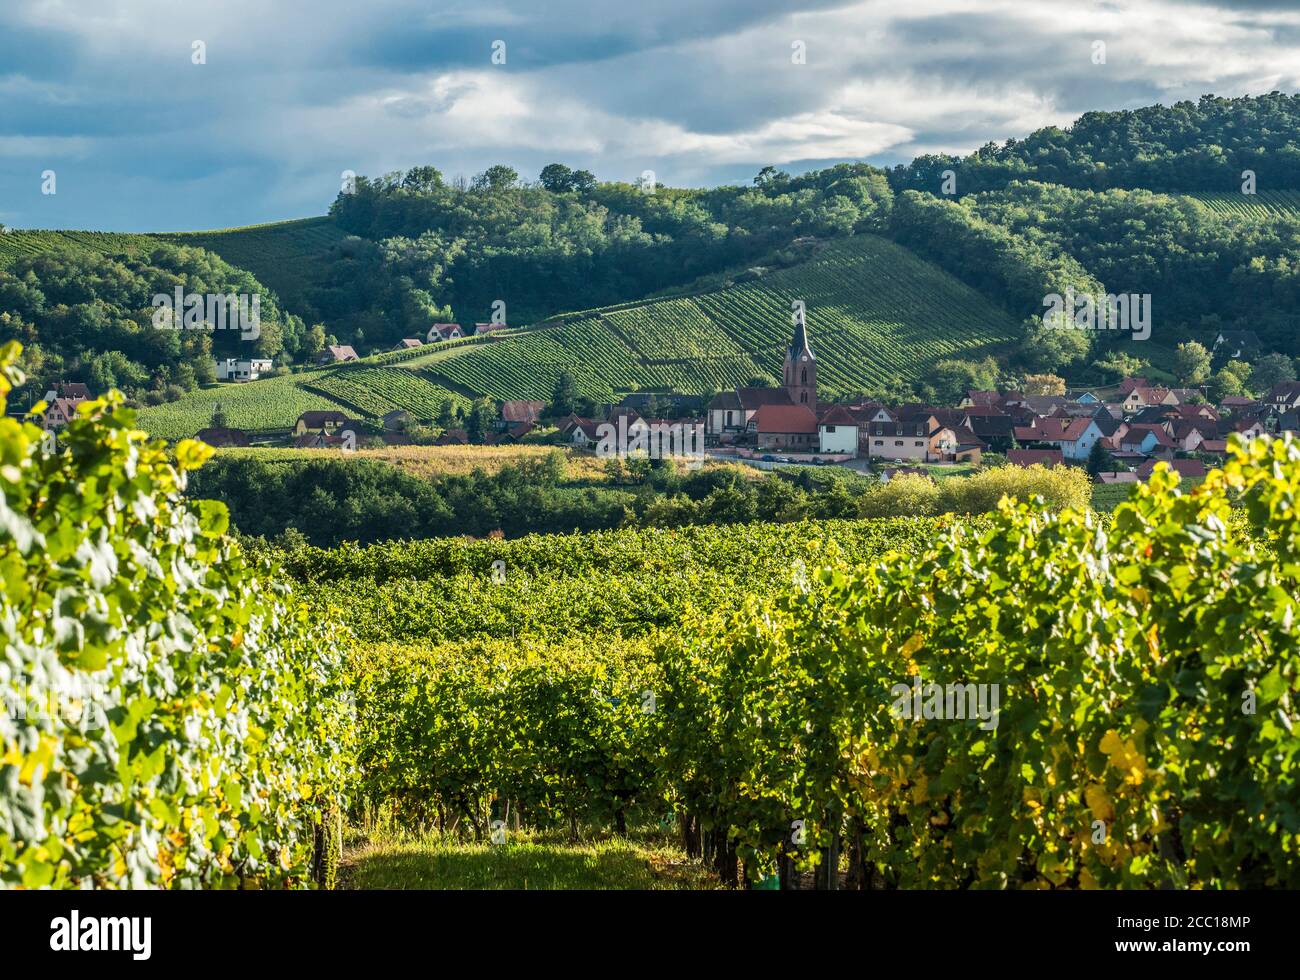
247	369
837	432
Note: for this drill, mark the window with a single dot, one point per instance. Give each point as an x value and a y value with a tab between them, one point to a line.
880	442
803	376
803	397
830	428
898	442
918	442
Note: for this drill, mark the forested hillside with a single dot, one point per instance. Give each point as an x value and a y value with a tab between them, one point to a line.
690	288
1188	146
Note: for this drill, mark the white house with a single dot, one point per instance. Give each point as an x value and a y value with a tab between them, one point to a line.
235	369
838	432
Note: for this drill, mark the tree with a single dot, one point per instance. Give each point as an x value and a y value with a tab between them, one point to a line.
219	417
481	416
583	181
314	342
951	379
1269	370
556	178
1099	460
1048	348
563	395
1225	384
1121	365
496	178
1192	363
1043	384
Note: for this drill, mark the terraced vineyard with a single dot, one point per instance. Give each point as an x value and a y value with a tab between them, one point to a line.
376	391
287	256
876	313
273	403
1264	204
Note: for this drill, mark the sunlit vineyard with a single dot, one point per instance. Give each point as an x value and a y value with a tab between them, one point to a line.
376	391
273	403
1264	204
877	313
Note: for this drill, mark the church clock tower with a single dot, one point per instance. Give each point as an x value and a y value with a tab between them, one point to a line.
800	366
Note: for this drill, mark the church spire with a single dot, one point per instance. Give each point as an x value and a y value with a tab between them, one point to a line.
800	369
799	348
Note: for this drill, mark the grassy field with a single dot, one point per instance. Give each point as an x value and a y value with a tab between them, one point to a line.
431	461
876	313
646	859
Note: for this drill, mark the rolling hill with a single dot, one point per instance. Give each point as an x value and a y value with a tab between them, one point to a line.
876	313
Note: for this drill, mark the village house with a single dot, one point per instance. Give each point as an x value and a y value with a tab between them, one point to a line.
837	432
328	422
486	328
1192	469
245	369
61	404
516	413
900	440
407	343
1236	345
792	427
219	437
1035	457
1284	395
445	331
336	354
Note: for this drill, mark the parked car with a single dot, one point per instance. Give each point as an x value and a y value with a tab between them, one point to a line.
768	459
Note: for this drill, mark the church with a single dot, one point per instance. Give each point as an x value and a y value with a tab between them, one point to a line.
772	418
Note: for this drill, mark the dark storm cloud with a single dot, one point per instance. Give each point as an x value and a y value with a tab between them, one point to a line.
105	93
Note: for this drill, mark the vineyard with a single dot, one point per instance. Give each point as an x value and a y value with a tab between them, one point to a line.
745	680
376	391
271	403
287	256
1078	708
17	244
1264	204
877	313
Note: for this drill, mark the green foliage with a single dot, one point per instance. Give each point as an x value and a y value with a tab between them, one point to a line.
1188	146
914	495
1133	720
174	717
1192	363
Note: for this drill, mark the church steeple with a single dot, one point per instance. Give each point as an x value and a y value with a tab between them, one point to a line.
800	370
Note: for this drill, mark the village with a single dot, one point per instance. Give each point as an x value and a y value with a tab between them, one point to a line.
1118	433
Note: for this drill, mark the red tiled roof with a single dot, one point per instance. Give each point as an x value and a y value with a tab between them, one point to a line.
785	418
1028	457
1183	467
838	415
521	411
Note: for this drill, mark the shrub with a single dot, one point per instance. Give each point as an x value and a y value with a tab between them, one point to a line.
175	717
1058	486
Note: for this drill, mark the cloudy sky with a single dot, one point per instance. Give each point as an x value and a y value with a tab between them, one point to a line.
107	94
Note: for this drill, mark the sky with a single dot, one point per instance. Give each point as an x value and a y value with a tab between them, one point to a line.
168	115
